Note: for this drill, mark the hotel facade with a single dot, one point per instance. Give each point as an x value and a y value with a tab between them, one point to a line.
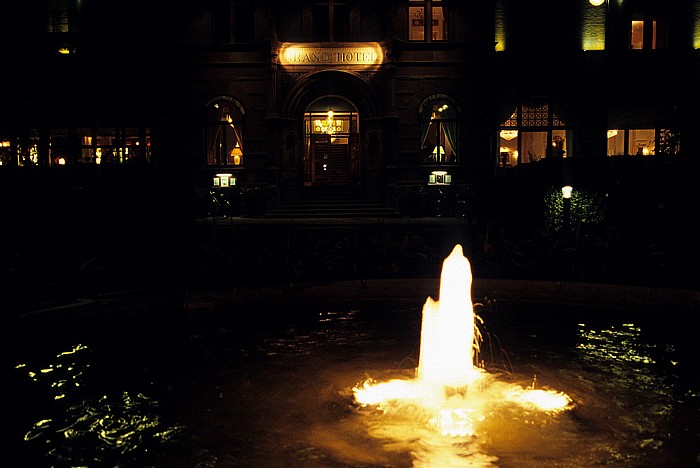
392	102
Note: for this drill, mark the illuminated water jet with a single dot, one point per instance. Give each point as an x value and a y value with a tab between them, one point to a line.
449	388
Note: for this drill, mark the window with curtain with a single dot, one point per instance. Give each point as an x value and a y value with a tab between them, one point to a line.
531	132
427	20
439	132
223	133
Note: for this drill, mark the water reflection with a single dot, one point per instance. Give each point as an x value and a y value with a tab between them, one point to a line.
280	393
635	374
82	421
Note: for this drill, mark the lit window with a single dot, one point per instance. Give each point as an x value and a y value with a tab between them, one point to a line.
5	151
223	132
232	21
648	34
427	21
439	131
643	142
616	142
532	132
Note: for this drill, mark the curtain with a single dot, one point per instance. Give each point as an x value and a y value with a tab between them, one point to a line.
425	124
449	126
237	133
214	133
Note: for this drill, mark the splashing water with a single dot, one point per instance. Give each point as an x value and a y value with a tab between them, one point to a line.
451	392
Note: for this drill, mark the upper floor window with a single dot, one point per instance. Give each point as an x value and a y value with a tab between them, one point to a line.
427	20
439	130
62	16
332	20
223	137
533	131
232	21
648	34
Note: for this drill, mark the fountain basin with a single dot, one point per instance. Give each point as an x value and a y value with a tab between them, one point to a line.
264	383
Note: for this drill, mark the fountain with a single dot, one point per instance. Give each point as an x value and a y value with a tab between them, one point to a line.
449	388
361	379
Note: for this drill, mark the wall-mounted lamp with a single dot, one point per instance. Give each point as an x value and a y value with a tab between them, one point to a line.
596	2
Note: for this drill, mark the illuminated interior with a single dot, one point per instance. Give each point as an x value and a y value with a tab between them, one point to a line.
531	133
223	133
331	143
426	21
631	142
439	132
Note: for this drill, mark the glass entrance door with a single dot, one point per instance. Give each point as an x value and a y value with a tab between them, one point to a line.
331	149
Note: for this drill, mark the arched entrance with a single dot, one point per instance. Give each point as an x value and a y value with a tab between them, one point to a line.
331	143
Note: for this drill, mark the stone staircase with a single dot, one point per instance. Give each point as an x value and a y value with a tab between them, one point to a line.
331	202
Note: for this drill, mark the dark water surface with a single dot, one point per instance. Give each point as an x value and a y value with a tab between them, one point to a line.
272	386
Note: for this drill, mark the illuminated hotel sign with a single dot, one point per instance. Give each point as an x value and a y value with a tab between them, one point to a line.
317	54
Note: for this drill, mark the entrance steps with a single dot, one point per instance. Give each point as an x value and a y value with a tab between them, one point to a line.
331	202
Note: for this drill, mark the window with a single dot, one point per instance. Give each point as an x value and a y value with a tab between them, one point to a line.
532	132
223	132
28	144
648	34
62	16
103	145
83	145
427	21
5	150
232	21
332	21
643	142
439	130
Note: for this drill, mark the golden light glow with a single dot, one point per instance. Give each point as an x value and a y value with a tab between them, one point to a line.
449	391
566	191
447	333
593	27
224	180
236	154
596	2
543	400
508	134
439	151
329	125
367	53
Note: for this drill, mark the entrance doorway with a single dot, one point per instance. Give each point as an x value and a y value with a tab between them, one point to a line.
331	146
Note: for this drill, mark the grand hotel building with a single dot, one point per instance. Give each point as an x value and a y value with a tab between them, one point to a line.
381	99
